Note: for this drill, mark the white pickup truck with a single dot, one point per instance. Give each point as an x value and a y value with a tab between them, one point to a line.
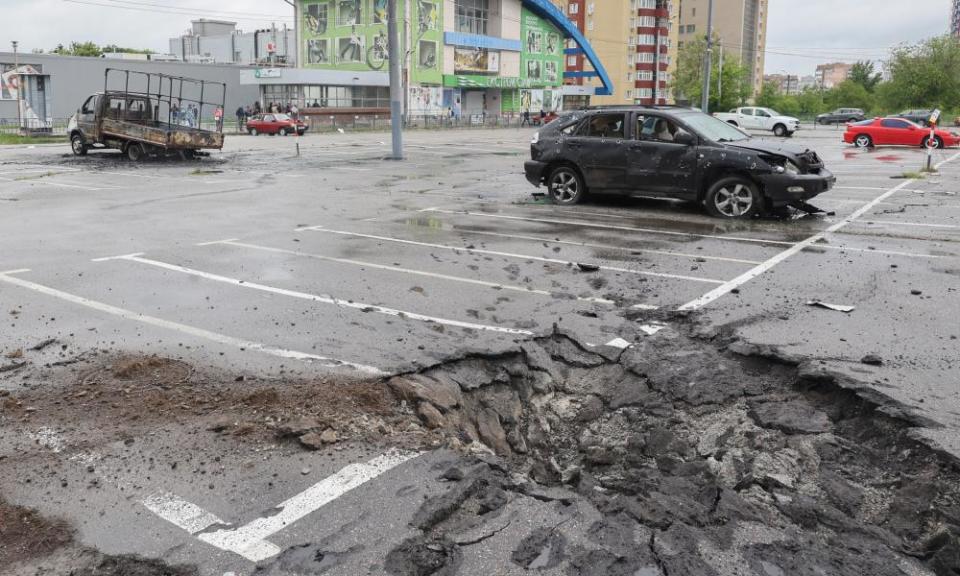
752	118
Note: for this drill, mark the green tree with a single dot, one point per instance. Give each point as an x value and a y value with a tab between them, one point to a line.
79	49
849	94
728	89
864	74
924	75
121	49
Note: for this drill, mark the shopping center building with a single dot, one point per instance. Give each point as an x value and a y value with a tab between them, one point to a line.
462	58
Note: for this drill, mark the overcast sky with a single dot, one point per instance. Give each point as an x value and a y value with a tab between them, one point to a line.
801	33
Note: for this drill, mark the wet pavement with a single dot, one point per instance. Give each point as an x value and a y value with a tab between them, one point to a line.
263	262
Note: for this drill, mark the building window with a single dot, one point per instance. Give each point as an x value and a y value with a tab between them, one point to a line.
574	9
472	16
572	61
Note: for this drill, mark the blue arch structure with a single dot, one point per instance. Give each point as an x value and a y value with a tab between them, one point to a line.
549	12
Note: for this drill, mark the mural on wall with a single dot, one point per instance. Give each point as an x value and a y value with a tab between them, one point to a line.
352	35
10	77
427	101
542	56
475	61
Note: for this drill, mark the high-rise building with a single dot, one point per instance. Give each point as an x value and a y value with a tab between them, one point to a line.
830	75
633	40
955	19
740	26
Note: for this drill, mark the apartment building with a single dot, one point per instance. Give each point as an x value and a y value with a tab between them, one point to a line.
739	25
955	19
633	40
829	75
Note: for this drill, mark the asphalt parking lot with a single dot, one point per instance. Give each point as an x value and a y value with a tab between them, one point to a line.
284	256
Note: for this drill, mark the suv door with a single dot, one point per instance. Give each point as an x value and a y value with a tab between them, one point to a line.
598	149
657	163
87	119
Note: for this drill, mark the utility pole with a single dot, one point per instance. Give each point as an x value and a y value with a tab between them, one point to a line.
16	73
720	75
296	35
708	61
396	85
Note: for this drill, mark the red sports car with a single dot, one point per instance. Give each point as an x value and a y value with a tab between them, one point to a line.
275	124
896	132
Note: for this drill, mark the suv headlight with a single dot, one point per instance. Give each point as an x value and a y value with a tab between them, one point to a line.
791	168
536	138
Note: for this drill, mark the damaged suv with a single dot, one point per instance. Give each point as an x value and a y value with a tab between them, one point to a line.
675	153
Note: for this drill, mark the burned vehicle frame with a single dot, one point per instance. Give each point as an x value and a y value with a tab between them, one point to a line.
158	114
675	153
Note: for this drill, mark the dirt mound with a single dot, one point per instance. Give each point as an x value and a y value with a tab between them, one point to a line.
24	534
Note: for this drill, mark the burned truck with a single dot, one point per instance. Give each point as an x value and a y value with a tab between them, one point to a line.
143	114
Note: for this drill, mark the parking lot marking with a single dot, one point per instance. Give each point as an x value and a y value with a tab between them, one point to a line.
179	512
47	181
587	224
324	299
495	285
605	246
503	254
249	540
798	247
920	224
185	329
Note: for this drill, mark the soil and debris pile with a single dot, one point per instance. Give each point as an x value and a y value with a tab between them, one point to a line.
700	461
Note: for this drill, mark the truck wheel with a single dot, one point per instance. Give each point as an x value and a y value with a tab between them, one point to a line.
77	145
252	131
779	130
135	151
863	141
565	186
733	197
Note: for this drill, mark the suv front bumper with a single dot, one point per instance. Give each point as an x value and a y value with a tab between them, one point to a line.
782	189
534	171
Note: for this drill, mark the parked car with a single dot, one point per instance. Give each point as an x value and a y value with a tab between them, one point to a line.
273	124
761	119
842	115
672	152
896	132
921	117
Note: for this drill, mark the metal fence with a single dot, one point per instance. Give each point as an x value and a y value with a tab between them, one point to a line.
31	127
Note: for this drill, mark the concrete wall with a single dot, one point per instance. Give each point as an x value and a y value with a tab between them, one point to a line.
72	79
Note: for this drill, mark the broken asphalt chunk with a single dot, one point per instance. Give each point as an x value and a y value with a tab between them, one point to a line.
588	267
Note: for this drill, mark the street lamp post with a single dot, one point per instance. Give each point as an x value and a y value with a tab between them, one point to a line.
16	73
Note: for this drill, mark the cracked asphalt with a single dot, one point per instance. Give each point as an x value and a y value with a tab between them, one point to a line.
259	264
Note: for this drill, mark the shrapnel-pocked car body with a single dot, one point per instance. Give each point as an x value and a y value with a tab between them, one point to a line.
676	153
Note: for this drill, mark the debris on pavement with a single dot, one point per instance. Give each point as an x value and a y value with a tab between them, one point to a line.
872	360
835	307
588	267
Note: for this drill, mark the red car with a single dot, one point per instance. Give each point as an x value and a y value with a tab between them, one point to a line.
273	124
896	132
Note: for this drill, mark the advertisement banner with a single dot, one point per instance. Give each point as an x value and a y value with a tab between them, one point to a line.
10	78
476	61
427	101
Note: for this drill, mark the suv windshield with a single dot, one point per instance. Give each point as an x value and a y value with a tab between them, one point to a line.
714	129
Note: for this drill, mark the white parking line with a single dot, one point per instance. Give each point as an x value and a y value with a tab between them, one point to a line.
249	540
399	269
503	254
587	224
605	246
920	224
183	328
323	299
179	512
47	181
796	248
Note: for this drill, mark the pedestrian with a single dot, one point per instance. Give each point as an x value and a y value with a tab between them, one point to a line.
526	118
294	111
288	110
174	113
218	118
241	114
256	107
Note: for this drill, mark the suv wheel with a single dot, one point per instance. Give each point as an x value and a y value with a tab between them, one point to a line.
565	186
780	130
252	131
283	132
733	197
77	145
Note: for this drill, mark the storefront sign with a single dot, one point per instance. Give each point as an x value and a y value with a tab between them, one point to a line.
492	82
268	73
